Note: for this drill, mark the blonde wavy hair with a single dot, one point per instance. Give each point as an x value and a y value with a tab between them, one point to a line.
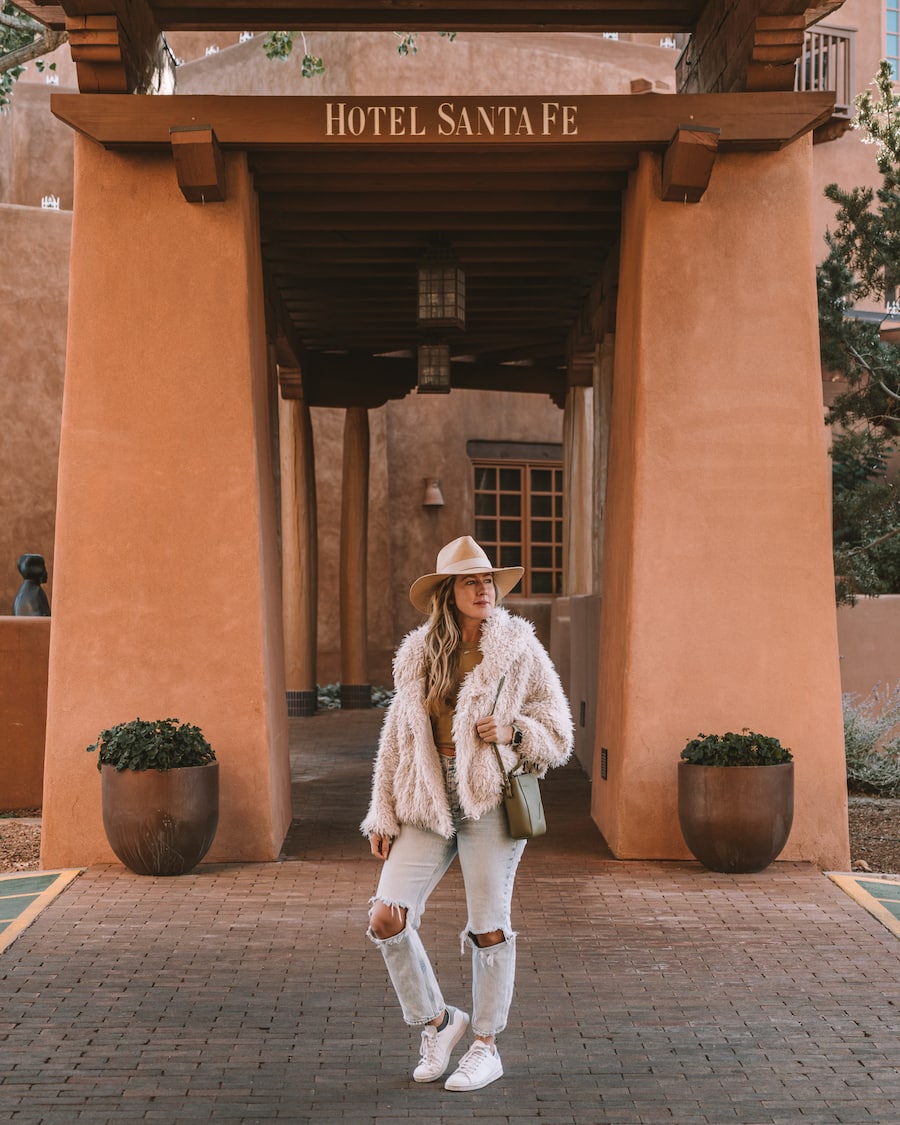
442	639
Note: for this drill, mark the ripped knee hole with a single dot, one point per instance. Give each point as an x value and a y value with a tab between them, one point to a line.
485	941
387	920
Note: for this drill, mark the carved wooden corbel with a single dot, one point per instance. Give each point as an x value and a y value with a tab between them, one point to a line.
199	163
688	163
120	52
96	46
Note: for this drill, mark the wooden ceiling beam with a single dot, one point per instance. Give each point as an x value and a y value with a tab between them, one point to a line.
376	270
449	223
364	380
272	184
486	246
744	45
428	15
368	162
442	202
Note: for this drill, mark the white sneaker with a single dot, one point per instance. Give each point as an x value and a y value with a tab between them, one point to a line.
479	1066
437	1046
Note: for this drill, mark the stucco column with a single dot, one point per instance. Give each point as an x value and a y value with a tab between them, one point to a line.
167	598
718	602
299	566
356	691
578	485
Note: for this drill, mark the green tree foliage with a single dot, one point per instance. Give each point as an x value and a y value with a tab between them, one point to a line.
863	264
21	40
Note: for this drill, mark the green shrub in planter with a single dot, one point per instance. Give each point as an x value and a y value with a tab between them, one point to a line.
730	749
162	744
159	793
735	819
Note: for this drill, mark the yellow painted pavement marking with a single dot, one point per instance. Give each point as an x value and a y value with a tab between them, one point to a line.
23	895
879	894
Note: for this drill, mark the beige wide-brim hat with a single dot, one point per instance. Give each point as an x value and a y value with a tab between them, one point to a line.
462	556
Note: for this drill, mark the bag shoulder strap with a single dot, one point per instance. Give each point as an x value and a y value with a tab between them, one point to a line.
507	784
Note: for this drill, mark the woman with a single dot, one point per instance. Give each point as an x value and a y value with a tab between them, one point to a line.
471	676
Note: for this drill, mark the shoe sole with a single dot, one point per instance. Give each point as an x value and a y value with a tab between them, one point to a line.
462	1030
469	1089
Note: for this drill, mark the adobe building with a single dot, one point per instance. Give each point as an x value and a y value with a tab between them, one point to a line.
632	402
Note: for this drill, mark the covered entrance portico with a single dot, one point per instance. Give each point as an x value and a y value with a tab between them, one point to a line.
226	246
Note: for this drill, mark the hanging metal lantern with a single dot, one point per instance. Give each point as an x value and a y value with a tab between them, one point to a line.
442	292
434	369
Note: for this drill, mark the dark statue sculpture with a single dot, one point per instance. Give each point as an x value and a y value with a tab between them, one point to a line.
31	601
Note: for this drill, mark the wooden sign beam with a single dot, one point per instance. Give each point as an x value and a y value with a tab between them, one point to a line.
617	122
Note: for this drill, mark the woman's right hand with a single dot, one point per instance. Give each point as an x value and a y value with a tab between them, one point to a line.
381	846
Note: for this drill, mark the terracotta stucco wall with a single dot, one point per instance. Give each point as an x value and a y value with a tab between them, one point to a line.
427	436
869	636
24	652
718	608
368	64
34	247
167	600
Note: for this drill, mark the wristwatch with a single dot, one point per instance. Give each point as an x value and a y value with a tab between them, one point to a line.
517	736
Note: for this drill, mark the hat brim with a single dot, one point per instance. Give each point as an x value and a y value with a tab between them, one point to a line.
506	578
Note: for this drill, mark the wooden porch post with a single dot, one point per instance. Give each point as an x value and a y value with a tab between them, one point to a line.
578	456
603	379
356	691
299	557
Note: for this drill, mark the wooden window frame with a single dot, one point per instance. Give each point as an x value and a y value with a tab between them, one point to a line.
525	549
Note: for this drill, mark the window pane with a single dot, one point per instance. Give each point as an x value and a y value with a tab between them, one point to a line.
541	582
511	480
892	46
518	518
892	21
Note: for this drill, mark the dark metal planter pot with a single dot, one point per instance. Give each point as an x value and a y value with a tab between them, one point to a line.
735	818
161	822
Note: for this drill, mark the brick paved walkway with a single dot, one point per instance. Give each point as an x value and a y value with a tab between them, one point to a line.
648	992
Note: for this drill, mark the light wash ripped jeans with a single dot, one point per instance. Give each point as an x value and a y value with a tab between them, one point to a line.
418	859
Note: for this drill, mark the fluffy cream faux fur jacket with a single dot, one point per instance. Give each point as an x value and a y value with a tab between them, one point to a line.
408	782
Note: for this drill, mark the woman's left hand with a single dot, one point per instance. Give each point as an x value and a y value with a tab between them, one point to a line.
490	730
